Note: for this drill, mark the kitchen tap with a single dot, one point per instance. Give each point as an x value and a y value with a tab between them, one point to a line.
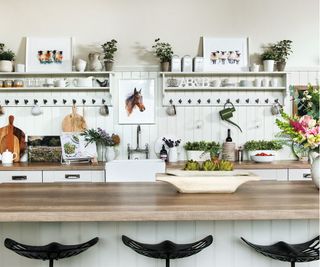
138	149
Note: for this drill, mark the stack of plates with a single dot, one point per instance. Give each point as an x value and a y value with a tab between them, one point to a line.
228	151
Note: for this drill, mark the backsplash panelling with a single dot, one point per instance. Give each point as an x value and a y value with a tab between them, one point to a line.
256	120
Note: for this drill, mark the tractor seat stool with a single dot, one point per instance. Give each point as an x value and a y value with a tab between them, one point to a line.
51	252
167	250
292	253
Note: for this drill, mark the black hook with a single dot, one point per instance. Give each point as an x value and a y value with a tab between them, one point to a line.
45	101
84	101
7	101
199	101
64	101
276	100
218	100
171	101
93	101
189	101
103	101
26	101
247	100
238	101
266	101
74	101
35	101
228	100
55	101
16	101
180	101
257	100
208	100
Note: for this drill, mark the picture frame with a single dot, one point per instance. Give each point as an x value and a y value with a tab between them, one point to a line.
226	54
136	101
49	54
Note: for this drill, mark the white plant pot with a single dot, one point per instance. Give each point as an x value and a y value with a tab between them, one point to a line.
6	66
173	154
268	65
110	153
198	155
254	152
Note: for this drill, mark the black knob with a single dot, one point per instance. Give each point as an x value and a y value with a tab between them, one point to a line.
199	101
238	101
35	101
257	100
189	101
84	101
180	101
64	101
266	101
93	101
74	101
208	101
26	101
45	101
247	100
103	101
16	101
218	100
7	101
55	101
171	101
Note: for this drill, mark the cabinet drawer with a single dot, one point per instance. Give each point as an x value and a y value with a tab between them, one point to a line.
73	176
299	174
271	174
20	177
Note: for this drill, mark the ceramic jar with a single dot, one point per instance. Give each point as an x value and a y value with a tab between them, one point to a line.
80	65
6	66
173	154
8	157
315	168
101	152
94	62
110	153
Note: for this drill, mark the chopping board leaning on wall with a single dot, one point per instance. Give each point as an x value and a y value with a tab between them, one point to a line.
13	139
74	122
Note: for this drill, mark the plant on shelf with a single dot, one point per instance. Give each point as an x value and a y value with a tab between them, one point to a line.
164	52
109	49
282	51
254	147
6	59
202	150
103	140
268	57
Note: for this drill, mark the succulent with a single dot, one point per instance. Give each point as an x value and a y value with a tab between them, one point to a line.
208	165
192	165
225	165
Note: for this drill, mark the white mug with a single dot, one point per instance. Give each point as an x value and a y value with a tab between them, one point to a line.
255	67
8	157
274	82
257	82
83	82
80	65
36	110
60	83
20	68
49	81
265	82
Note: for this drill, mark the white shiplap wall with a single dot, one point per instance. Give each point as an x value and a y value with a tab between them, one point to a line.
227	250
256	121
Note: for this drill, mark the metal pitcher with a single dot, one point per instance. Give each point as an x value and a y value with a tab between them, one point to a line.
227	113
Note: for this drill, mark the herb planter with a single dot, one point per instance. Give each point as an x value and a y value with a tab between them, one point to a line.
268	65
198	155
6	66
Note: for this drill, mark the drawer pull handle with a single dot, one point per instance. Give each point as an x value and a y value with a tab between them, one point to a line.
19	177
72	176
307	175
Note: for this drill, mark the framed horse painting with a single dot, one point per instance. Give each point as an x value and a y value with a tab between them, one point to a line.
137	101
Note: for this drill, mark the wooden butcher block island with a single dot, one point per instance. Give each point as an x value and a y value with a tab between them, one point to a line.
262	200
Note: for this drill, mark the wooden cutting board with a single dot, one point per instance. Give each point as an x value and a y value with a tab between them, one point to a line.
13	139
74	122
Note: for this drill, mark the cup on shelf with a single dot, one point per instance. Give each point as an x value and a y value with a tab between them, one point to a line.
7	83
60	83
245	83
265	82
80	65
274	82
215	83
257	82
20	68
18	83
1	84
49	82
83	82
255	68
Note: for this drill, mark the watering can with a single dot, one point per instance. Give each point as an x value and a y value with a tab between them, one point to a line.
226	114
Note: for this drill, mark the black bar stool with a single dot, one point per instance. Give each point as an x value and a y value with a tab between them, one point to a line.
51	252
167	250
292	253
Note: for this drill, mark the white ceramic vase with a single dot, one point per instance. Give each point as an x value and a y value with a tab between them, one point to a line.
197	155
268	65
101	152
110	153
80	65
6	66
173	154
315	168
94	62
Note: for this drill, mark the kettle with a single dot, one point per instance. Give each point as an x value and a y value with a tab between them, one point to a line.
227	113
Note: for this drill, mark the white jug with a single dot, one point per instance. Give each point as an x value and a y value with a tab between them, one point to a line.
315	167
8	157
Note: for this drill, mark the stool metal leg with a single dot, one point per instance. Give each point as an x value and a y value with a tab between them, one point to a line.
51	263
167	262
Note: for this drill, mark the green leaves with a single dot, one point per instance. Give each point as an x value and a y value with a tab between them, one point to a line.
6	54
263	145
109	49
163	50
212	147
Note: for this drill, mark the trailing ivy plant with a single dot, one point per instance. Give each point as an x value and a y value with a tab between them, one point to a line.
263	145
163	50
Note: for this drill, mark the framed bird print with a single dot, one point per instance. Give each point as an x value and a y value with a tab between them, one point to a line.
137	101
49	54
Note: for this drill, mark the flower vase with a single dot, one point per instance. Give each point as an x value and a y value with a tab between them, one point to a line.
173	154
110	153
101	152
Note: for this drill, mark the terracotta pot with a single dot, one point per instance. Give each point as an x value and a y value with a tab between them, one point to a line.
165	66
6	66
281	65
108	65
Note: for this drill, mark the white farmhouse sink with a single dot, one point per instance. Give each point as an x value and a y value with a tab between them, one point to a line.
143	170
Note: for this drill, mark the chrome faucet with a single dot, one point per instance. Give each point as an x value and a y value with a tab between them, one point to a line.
138	149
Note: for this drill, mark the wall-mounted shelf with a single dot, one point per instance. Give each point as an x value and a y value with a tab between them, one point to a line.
57	74
52	89
220	73
243	88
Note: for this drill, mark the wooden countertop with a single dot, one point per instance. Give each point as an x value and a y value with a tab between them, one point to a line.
279	164
263	200
52	166
46	166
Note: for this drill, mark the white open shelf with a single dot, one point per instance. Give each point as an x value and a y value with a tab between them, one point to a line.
238	73
73	73
243	88
35	89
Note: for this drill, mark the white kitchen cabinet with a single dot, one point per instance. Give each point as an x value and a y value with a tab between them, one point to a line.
272	174
299	174
73	176
21	177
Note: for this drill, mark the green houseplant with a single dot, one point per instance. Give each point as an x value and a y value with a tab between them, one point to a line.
268	57
254	147
109	49
202	150
164	52
282	51
6	59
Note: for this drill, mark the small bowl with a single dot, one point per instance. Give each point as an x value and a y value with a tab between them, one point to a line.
263	159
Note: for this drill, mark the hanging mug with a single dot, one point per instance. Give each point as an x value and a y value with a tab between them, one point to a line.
104	110
276	108
171	110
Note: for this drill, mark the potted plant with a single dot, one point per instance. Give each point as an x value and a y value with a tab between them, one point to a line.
109	49
6	59
254	147
164	52
268	58
201	151
282	50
